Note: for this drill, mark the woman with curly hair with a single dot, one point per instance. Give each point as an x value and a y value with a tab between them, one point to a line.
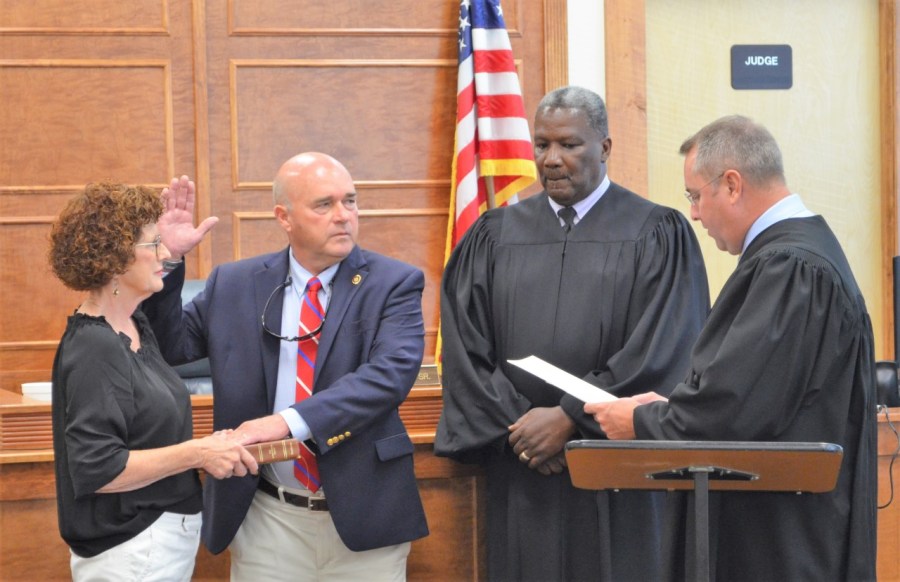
128	492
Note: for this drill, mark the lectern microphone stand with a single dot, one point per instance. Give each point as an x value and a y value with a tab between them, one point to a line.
702	466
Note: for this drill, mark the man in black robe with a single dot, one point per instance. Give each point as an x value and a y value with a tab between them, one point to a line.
786	356
617	299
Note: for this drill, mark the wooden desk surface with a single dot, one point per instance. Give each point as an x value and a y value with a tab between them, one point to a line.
451	492
26	433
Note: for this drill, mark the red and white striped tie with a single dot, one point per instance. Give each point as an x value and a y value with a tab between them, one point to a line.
306	470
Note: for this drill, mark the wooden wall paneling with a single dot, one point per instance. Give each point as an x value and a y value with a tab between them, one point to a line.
888	564
32	548
106	17
32	312
200	264
890	160
88	91
626	92
388	135
29	537
556	44
389	19
451	550
71	104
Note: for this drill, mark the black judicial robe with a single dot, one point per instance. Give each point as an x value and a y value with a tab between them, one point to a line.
786	355
619	301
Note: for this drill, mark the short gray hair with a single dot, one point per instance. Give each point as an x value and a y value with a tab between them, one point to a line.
736	142
581	99
279	195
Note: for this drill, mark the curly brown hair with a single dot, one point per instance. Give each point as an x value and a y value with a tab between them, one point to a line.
93	238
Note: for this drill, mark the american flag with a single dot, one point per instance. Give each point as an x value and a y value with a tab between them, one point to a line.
493	158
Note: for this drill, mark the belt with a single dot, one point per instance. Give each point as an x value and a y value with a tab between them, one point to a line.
311	503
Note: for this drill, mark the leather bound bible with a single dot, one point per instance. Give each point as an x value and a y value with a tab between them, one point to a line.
275	451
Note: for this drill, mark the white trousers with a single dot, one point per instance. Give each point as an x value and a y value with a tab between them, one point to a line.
280	541
165	551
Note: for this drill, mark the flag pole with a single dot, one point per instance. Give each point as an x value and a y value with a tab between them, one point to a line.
489	186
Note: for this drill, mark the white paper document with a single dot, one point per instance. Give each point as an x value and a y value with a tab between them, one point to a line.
563	380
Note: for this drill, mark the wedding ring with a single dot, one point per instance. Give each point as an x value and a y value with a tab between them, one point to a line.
523	457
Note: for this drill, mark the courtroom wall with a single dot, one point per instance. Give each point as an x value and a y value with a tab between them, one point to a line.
827	123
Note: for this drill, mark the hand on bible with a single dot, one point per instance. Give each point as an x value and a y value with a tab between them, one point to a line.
540	435
176	225
616	418
222	457
258	430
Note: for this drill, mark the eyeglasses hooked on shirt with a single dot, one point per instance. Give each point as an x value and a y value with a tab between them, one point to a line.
311	334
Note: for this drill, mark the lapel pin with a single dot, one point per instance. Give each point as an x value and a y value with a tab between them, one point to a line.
356	279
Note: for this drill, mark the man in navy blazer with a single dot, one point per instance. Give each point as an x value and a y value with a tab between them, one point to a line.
370	349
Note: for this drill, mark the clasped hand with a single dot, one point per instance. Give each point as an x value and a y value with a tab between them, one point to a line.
224	452
538	438
222	456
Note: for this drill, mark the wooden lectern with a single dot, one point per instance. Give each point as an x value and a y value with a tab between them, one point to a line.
702	466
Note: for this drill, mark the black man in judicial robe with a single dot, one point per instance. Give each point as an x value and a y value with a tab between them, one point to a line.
618	300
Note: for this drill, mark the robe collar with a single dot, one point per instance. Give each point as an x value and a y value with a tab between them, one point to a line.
582	207
788	207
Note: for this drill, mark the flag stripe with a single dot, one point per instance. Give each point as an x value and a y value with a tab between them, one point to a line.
494	62
492	150
501	106
503	129
490	39
496	83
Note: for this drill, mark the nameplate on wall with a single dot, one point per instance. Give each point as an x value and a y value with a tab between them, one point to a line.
428	376
761	66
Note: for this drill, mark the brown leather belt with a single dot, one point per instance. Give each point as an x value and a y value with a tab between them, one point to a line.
311	503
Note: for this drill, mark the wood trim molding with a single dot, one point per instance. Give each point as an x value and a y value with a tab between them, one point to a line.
364	184
83	31
164	66
890	157
233	30
238	218
203	205
556	45
162	30
626	92
235	65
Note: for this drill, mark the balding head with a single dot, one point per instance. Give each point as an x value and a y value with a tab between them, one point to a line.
315	204
301	171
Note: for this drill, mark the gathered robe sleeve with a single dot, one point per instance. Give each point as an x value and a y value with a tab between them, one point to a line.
484	402
665	312
780	329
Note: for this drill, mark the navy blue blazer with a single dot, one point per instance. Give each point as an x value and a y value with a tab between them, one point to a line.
370	351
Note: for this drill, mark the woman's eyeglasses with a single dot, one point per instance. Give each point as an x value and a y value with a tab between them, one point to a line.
266	329
155	244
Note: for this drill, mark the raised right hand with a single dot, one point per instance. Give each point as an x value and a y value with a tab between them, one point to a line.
176	225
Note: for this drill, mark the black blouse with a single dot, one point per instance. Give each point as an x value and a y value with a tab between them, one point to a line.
108	400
